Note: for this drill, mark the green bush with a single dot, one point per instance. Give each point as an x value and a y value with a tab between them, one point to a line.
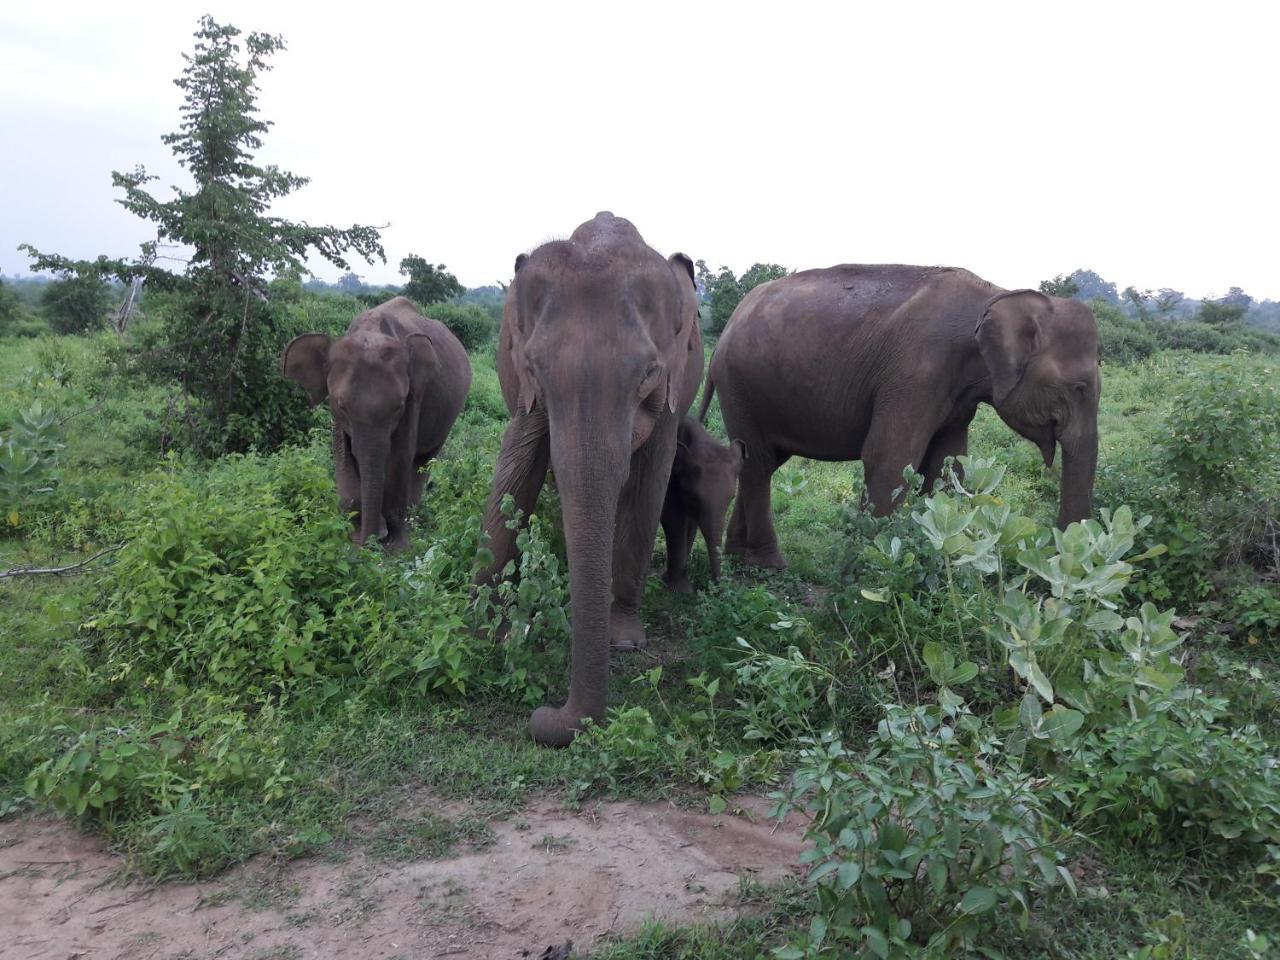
244	580
918	842
471	324
1203	338
1120	339
76	304
28	460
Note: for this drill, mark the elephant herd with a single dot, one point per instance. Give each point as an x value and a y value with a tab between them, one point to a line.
600	358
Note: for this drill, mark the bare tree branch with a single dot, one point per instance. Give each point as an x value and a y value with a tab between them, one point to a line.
57	571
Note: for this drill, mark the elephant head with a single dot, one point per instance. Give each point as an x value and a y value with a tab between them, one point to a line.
374	380
600	331
706	472
1042	356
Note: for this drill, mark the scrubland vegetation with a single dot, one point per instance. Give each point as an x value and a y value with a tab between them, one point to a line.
1044	743
1007	739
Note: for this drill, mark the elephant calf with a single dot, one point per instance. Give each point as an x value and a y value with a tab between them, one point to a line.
703	479
396	382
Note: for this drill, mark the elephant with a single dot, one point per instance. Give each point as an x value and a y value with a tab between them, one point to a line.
599	356
887	364
396	382
704	477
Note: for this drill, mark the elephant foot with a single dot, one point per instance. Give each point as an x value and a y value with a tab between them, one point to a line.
626	632
554	726
679	583
770	559
397	544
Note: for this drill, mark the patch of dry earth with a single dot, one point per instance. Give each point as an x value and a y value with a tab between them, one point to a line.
550	876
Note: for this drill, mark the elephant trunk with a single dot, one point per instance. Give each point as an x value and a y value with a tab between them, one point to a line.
371	457
1079	464
589	480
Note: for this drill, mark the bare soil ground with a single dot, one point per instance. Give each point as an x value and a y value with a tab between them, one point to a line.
549	876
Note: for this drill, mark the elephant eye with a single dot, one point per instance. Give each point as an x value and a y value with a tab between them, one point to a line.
650	375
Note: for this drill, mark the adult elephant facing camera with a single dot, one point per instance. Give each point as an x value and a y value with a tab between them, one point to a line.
887	364
598	359
396	381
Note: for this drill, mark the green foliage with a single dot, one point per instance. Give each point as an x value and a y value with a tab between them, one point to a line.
428	284
76	304
1099	707
526	611
1204	338
245	581
723	291
1120	339
916	843
28	460
472	325
1221	313
1222	433
1060	286
222	338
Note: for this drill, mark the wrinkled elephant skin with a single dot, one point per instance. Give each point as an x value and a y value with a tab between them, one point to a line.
887	364
598	359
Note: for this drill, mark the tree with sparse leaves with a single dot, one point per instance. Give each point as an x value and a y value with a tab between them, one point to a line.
429	284
223	335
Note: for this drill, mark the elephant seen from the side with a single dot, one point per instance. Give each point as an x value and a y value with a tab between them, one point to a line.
887	364
704	477
599	357
396	382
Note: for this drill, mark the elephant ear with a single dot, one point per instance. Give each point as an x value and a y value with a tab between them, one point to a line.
305	361
424	362
1009	335
678	353
515	345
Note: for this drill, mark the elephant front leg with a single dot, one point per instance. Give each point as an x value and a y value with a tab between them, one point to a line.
950	441
636	528
711	529
676	527
347	477
897	440
520	472
401	477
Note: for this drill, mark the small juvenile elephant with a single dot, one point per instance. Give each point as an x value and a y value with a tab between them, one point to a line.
704	477
396	382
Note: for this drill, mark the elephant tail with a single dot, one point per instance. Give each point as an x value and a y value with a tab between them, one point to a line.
708	392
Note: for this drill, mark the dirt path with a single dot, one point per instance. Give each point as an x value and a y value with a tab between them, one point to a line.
549	876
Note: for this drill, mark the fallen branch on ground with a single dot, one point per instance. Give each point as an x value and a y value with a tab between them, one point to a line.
57	571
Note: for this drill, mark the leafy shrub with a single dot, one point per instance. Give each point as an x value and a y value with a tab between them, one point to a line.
76	304
1121	339
1221	432
28	459
1204	338
471	324
1212	485
695	746
526	611
921	839
1178	777
245	581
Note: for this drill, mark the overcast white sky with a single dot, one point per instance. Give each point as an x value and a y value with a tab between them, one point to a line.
1019	140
